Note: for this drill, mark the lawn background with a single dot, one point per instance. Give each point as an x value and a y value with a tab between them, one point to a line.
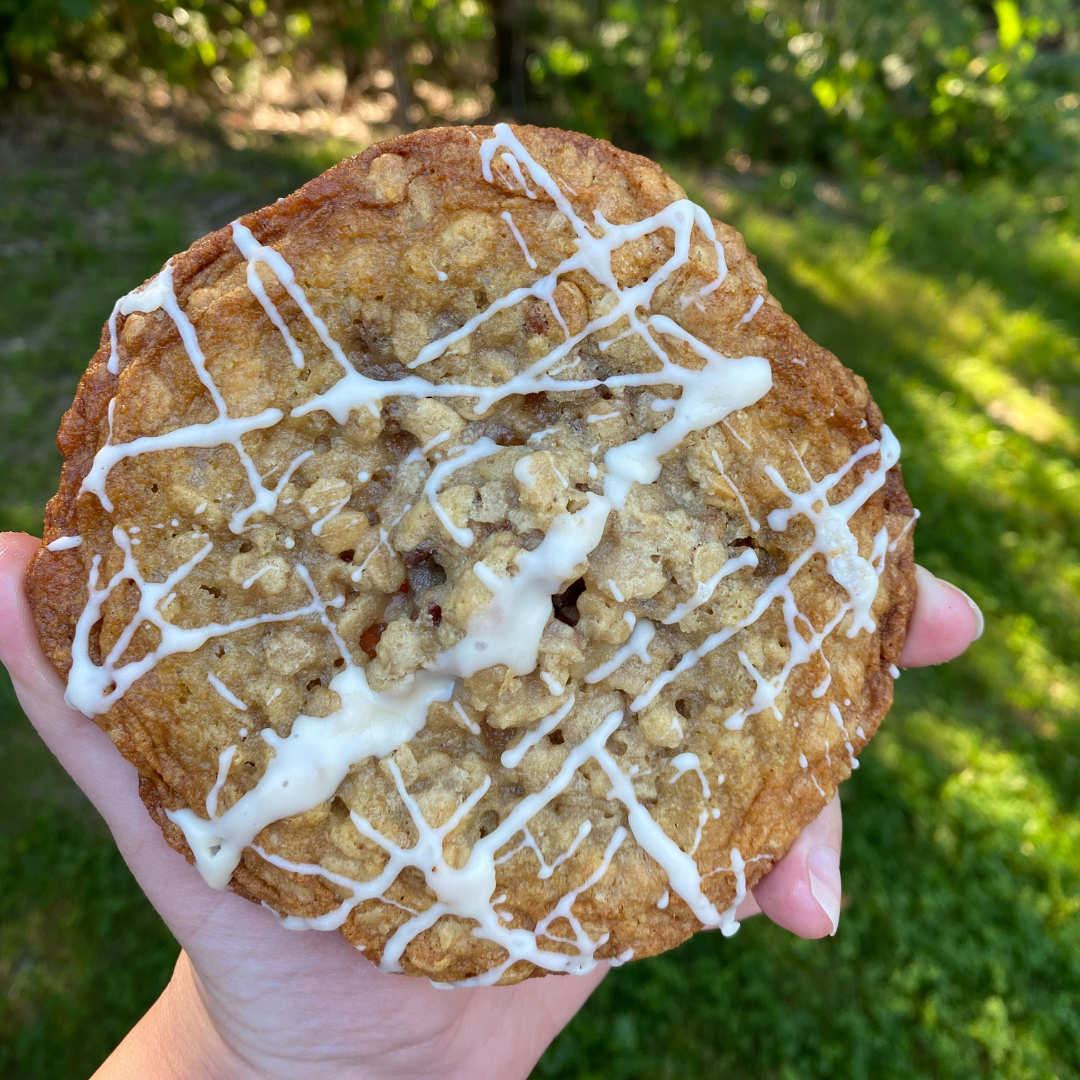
959	301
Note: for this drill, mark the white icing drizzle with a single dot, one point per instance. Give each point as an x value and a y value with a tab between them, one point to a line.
466	891
511	758
508	630
335	508
834	711
64	543
224	762
511	162
555	688
262	571
734	433
225	692
754	308
705	589
88	688
147	297
471	724
684	763
435	440
519	238
159	294
546	868
255	253
539	436
754	526
834	540
482	448
637	645
309	764
904	531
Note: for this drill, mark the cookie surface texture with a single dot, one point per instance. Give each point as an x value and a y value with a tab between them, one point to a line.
473	557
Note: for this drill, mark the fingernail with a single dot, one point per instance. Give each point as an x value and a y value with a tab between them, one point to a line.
824	867
980	622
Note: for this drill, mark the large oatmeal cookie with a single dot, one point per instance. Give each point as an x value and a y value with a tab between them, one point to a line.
472	557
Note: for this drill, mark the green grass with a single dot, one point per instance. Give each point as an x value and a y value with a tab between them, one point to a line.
959	950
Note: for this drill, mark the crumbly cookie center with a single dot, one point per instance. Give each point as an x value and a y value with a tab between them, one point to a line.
506	626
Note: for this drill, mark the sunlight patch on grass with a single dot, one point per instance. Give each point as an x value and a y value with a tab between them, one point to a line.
1002	468
1044	682
1012	404
967	334
993	799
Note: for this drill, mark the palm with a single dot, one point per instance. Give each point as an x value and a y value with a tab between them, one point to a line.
277	994
304	1004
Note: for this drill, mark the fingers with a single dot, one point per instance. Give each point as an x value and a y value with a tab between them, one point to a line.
84	750
39	687
19	651
78	744
945	622
802	892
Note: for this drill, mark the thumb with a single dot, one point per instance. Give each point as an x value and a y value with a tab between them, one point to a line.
109	781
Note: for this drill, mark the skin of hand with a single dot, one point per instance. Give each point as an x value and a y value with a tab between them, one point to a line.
249	1000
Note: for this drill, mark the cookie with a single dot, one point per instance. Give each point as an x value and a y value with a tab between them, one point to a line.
473	558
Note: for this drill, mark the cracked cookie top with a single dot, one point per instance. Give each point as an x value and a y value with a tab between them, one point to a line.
473	557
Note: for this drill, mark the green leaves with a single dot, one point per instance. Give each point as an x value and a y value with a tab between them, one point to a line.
826	94
910	83
1010	30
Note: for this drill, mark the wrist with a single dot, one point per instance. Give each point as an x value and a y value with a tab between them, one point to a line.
176	1039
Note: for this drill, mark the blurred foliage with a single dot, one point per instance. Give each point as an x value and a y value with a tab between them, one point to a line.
81	952
965	85
872	83
217	48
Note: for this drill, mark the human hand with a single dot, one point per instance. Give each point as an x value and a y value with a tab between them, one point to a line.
248	1000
